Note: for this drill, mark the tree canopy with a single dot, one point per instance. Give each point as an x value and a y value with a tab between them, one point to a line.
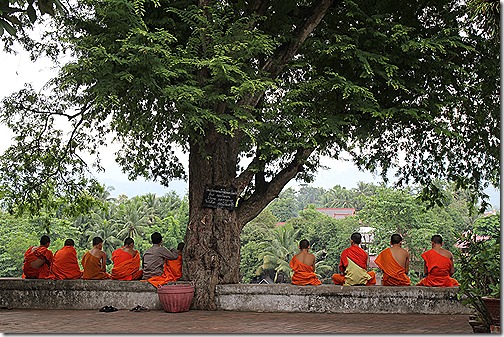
255	91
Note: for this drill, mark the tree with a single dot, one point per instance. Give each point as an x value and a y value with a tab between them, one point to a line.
20	18
256	231
277	253
362	190
255	91
286	206
308	195
134	216
340	197
101	224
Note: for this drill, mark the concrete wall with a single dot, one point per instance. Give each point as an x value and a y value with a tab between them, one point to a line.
339	299
85	294
76	294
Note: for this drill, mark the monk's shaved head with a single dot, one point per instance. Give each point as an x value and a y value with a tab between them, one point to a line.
44	240
395	239
356	238
437	239
97	240
69	242
304	244
128	241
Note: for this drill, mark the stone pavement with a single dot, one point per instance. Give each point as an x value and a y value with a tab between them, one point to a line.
224	322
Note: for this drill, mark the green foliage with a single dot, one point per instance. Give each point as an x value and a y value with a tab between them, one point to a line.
286	206
16	235
375	79
277	253
486	16
256	231
488	225
400	211
328	237
479	272
18	19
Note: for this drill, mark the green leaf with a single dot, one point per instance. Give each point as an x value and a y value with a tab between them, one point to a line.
8	27
31	13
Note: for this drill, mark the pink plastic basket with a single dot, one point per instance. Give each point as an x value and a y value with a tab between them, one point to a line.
176	297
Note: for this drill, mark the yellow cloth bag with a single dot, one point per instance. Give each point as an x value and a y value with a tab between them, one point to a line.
355	275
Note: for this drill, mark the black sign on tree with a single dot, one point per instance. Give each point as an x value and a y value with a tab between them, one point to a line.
219	198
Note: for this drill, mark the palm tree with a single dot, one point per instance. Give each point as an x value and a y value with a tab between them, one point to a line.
339	196
101	224
167	204
321	267
133	217
361	191
309	195
277	253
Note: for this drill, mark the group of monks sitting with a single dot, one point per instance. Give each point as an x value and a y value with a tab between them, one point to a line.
160	265
393	261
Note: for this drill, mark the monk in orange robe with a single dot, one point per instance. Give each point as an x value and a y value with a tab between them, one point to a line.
94	262
394	262
37	260
438	266
303	265
353	265
172	270
126	262
65	265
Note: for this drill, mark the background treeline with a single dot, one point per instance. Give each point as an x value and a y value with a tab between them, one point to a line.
266	245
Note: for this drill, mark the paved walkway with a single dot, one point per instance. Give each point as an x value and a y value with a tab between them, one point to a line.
224	322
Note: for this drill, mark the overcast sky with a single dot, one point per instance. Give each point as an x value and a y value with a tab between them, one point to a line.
16	70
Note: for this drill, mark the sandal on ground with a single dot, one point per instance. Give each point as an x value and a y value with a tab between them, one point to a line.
108	308
139	308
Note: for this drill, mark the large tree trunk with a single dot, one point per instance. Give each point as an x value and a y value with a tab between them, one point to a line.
212	250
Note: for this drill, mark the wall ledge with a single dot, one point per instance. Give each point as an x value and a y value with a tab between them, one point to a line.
339	299
20	293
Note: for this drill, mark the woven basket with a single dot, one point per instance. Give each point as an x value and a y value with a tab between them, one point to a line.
176	297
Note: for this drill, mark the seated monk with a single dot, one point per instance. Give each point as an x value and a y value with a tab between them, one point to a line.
353	265
126	262
65	265
394	262
154	258
172	271
303	265
94	262
37	260
438	266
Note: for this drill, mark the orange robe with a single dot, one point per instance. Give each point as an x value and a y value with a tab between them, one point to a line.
438	271
31	256
126	267
359	257
393	273
172	272
65	265
303	273
92	268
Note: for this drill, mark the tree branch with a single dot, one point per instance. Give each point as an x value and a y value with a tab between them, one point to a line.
261	197
286	52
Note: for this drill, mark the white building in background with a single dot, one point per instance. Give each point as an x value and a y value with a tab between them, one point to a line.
337	213
367	234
